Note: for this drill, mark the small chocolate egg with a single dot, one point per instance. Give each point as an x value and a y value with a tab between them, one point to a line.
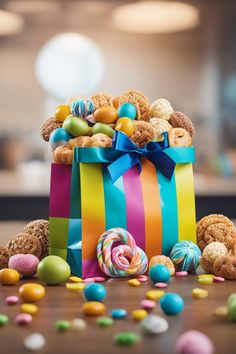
126	125
62	112
127	110
102	128
59	137
106	114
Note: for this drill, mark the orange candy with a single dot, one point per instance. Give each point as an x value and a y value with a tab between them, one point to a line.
106	115
9	276
31	292
126	125
62	112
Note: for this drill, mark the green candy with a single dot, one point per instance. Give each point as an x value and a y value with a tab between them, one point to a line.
231	298
103	128
232	311
3	320
76	126
62	325
104	321
126	338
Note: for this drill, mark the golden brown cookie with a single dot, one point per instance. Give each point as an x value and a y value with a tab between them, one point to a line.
100	140
63	155
179	137
216	227
143	133
161	108
24	243
160	126
80	141
48	126
39	229
166	261
225	267
139	100
206	265
4	257
180	120
102	99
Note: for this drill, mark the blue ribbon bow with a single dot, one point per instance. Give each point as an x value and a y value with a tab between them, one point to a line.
131	156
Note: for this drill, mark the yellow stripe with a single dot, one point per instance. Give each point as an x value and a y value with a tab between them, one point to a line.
92	208
186	202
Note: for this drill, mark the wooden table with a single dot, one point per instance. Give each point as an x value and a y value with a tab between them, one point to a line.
59	303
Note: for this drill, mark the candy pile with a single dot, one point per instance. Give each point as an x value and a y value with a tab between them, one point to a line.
91	122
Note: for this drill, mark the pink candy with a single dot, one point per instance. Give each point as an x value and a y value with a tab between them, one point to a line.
142	278
148	304
161	285
23	319
183	273
11	300
25	264
218	279
94	280
194	342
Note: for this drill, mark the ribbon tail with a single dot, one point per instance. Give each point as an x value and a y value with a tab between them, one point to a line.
164	163
122	165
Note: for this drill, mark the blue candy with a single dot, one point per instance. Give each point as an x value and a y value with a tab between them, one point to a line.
172	304
127	110
95	292
159	274
59	137
118	313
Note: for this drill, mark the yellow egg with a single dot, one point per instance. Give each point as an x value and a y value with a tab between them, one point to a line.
31	309
155	294
126	125
31	292
199	293
134	282
139	315
205	280
9	276
62	112
106	115
93	308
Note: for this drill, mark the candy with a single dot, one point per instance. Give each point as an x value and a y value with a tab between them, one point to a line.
127	110
231	298
23	319
3	320
153	324
62	111
31	309
62	325
142	278
75	279
88	280
126	125
161	285
82	108
194	342
221	311
9	276
103	129
75	286
186	256
95	292
134	282
172	304
148	304
126	338
99	279
59	137
139	315
106	115
205	276
122	260
161	108
34	341
25	264
199	293
166	261
104	321
31	292
159	274
183	273
155	294
53	270
78	324
205	281
76	126
218	279
11	300
93	308
231	304
118	313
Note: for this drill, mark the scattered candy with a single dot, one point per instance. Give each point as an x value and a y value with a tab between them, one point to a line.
25	264
9	276
142	278
186	256
218	279
161	285
205	281
148	304
3	320
101	128
221	311
126	338
139	315
93	308
134	282
232	308
53	270
75	279
159	274
78	324
153	324
127	110
199	293
126	125
23	319
31	309
104	321
95	292
106	115
155	294
118	313
62	325
193	342
99	279
172	304
31	292
12	300
231	298
88	280
182	273
205	276
35	341
166	261
75	286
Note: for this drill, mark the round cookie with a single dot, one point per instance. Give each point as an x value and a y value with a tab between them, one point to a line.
80	141
24	243
179	137
210	253
166	261
160	126
4	257
40	229
216	227
139	100
63	155
102	99
225	267
180	120
48	126
100	140
143	133
71	99
161	108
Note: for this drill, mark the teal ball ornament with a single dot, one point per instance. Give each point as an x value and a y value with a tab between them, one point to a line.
186	256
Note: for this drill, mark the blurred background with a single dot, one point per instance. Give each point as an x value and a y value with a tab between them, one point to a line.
184	51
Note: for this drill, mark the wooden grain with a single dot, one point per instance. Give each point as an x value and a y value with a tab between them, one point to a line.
60	303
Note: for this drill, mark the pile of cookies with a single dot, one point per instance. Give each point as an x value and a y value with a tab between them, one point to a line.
32	240
92	121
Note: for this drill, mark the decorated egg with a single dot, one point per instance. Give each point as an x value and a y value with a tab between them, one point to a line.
59	137
127	110
62	112
106	115
76	126
102	128
82	108
126	125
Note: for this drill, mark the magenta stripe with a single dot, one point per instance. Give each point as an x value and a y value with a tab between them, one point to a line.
134	206
90	268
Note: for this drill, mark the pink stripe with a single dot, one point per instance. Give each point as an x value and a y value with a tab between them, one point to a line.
134	206
90	268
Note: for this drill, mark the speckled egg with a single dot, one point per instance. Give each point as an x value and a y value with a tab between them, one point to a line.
25	264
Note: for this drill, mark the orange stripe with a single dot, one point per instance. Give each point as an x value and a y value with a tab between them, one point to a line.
152	209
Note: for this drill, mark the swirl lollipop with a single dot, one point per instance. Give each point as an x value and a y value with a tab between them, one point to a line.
123	260
186	256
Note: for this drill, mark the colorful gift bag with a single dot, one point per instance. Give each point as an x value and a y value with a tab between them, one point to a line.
147	191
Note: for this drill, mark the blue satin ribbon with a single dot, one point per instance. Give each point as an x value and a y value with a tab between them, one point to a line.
131	156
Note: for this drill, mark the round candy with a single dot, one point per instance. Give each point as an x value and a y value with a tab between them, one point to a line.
139	315
62	112
9	276
126	125
11	300
193	342
31	292
186	256
118	313
155	294
134	282
95	292
78	324
172	304
23	319
76	126
93	308
62	325
25	264
181	274
3	320
34	341
148	304
106	115
59	137
82	108
127	110
159	274
231	298
161	285
31	309
126	338
104	321
103	129
199	293
153	324
53	270
232	310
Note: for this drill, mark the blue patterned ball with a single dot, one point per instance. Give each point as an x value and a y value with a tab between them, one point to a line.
186	256
82	108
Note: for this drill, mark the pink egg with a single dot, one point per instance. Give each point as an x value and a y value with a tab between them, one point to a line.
142	278
23	319
183	273
25	264
148	304
194	342
161	285
218	279
11	300
99	279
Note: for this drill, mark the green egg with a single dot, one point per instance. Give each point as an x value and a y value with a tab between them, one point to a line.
102	128
76	126
53	270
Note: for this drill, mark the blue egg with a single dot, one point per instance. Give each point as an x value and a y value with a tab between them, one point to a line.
172	304
159	274
118	313
95	292
127	110
59	137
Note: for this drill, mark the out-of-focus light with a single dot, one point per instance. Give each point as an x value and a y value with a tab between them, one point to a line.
28	7
155	17
10	23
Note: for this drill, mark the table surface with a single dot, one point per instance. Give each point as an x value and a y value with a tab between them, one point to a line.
59	303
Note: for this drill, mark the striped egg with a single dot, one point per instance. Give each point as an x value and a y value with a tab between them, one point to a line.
82	108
